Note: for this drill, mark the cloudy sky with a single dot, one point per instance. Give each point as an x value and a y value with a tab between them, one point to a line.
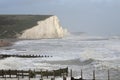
95	17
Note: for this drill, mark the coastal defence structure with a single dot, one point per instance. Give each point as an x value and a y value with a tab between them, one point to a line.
50	75
2	56
32	73
31	27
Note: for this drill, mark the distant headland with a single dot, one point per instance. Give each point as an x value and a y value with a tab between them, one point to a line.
31	27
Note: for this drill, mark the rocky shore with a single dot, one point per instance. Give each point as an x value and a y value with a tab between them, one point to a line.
5	42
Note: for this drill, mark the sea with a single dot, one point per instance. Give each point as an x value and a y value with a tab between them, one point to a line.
86	53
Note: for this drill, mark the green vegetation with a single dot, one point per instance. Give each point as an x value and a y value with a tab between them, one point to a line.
10	25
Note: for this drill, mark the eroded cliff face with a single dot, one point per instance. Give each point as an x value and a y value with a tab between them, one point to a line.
48	28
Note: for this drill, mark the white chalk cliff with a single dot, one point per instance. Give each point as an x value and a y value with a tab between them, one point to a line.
48	28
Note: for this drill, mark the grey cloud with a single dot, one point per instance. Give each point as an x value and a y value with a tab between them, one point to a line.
100	17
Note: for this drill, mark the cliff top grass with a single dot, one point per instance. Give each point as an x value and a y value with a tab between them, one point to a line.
10	25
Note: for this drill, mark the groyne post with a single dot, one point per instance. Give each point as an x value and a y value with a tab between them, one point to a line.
16	71
9	71
60	72
81	74
47	73
2	73
22	74
34	73
67	72
53	75
64	77
108	74
29	75
93	74
5	75
41	75
71	73
18	77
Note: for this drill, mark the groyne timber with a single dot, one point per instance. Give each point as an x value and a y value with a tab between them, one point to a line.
22	56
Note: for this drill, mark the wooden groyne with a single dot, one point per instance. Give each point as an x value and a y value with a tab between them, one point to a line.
22	56
32	73
63	73
58	72
82	78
